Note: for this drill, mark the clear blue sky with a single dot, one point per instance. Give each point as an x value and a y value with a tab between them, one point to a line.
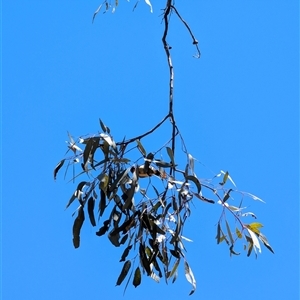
237	108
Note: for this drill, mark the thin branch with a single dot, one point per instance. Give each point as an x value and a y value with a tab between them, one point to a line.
144	134
195	42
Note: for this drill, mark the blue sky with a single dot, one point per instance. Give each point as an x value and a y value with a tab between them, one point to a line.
237	108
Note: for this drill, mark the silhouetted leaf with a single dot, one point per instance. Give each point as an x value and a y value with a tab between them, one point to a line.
141	148
103	127
265	242
77	227
125	253
203	198
137	277
58	166
77	193
144	259
114	238
102	203
124	239
87	152
124	272
195	180
103	229
91	205
226	196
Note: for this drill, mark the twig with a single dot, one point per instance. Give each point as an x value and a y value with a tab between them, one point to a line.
144	134
195	42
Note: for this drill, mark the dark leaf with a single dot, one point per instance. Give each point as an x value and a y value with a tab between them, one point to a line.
125	253
77	227
58	166
144	259
124	272
195	180
86	153
103	229
102	203
141	148
137	277
124	239
175	253
104	128
91	205
203	198
226	196
114	238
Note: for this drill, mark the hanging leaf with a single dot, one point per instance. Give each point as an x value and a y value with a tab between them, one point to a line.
103	229
265	242
203	198
58	166
137	277
102	203
225	177
226	196
124	272
149	3
229	233
238	233
255	226
141	148
174	269
96	12
77	193
171	155
125	253
218	233
91	205
254	240
77	227
189	276
195	180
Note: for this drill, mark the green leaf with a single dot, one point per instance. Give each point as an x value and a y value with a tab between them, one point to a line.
238	233
58	166
91	205
225	177
174	269
195	180
255	226
124	272
137	277
171	155
77	227
141	148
